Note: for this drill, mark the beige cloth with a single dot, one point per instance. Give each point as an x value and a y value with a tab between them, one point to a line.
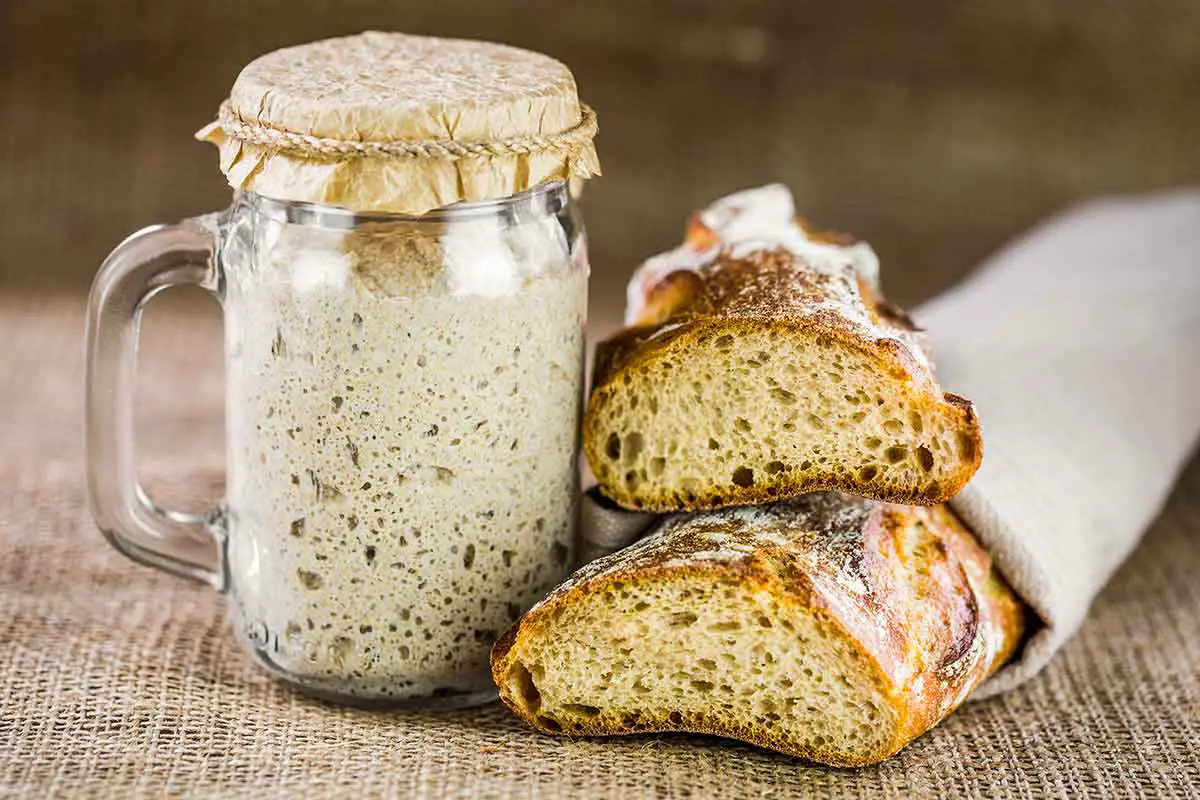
1080	345
119	681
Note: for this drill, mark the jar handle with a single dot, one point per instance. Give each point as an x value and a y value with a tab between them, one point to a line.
153	259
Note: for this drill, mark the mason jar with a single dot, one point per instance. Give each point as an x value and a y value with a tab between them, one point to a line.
402	409
403	277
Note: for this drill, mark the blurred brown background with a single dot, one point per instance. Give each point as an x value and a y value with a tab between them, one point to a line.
934	129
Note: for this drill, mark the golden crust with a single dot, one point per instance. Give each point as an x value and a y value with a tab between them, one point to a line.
909	590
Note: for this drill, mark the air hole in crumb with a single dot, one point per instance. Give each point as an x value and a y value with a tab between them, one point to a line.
521	684
741	424
708	664
895	454
702	686
893	426
682	619
657	465
675	717
744	477
868	472
873	442
925	458
783	396
612	447
723	342
775	467
550	724
914	419
713	444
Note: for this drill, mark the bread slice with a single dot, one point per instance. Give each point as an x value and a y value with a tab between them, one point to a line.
762	363
833	628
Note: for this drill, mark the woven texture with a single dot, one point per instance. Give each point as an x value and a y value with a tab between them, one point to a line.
118	681
299	144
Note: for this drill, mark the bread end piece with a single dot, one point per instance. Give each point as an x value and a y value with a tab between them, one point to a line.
831	628
708	413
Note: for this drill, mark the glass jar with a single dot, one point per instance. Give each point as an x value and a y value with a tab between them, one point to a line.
402	409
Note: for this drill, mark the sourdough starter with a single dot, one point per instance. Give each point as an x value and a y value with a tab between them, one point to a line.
402	417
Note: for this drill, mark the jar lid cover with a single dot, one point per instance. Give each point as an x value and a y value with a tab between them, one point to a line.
393	122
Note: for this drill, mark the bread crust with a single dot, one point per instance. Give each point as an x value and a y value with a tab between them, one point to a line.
909	590
774	290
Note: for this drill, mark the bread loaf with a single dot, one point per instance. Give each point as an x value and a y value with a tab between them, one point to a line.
761	362
829	627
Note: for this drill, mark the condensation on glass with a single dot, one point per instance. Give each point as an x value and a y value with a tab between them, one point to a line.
402	409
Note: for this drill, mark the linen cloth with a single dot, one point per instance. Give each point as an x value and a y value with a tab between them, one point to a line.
1080	346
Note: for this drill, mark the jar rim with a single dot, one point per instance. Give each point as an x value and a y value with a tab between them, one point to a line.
548	198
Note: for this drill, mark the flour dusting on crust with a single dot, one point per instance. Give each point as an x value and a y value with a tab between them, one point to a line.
822	528
754	254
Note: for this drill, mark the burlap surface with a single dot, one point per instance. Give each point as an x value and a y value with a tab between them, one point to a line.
118	681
